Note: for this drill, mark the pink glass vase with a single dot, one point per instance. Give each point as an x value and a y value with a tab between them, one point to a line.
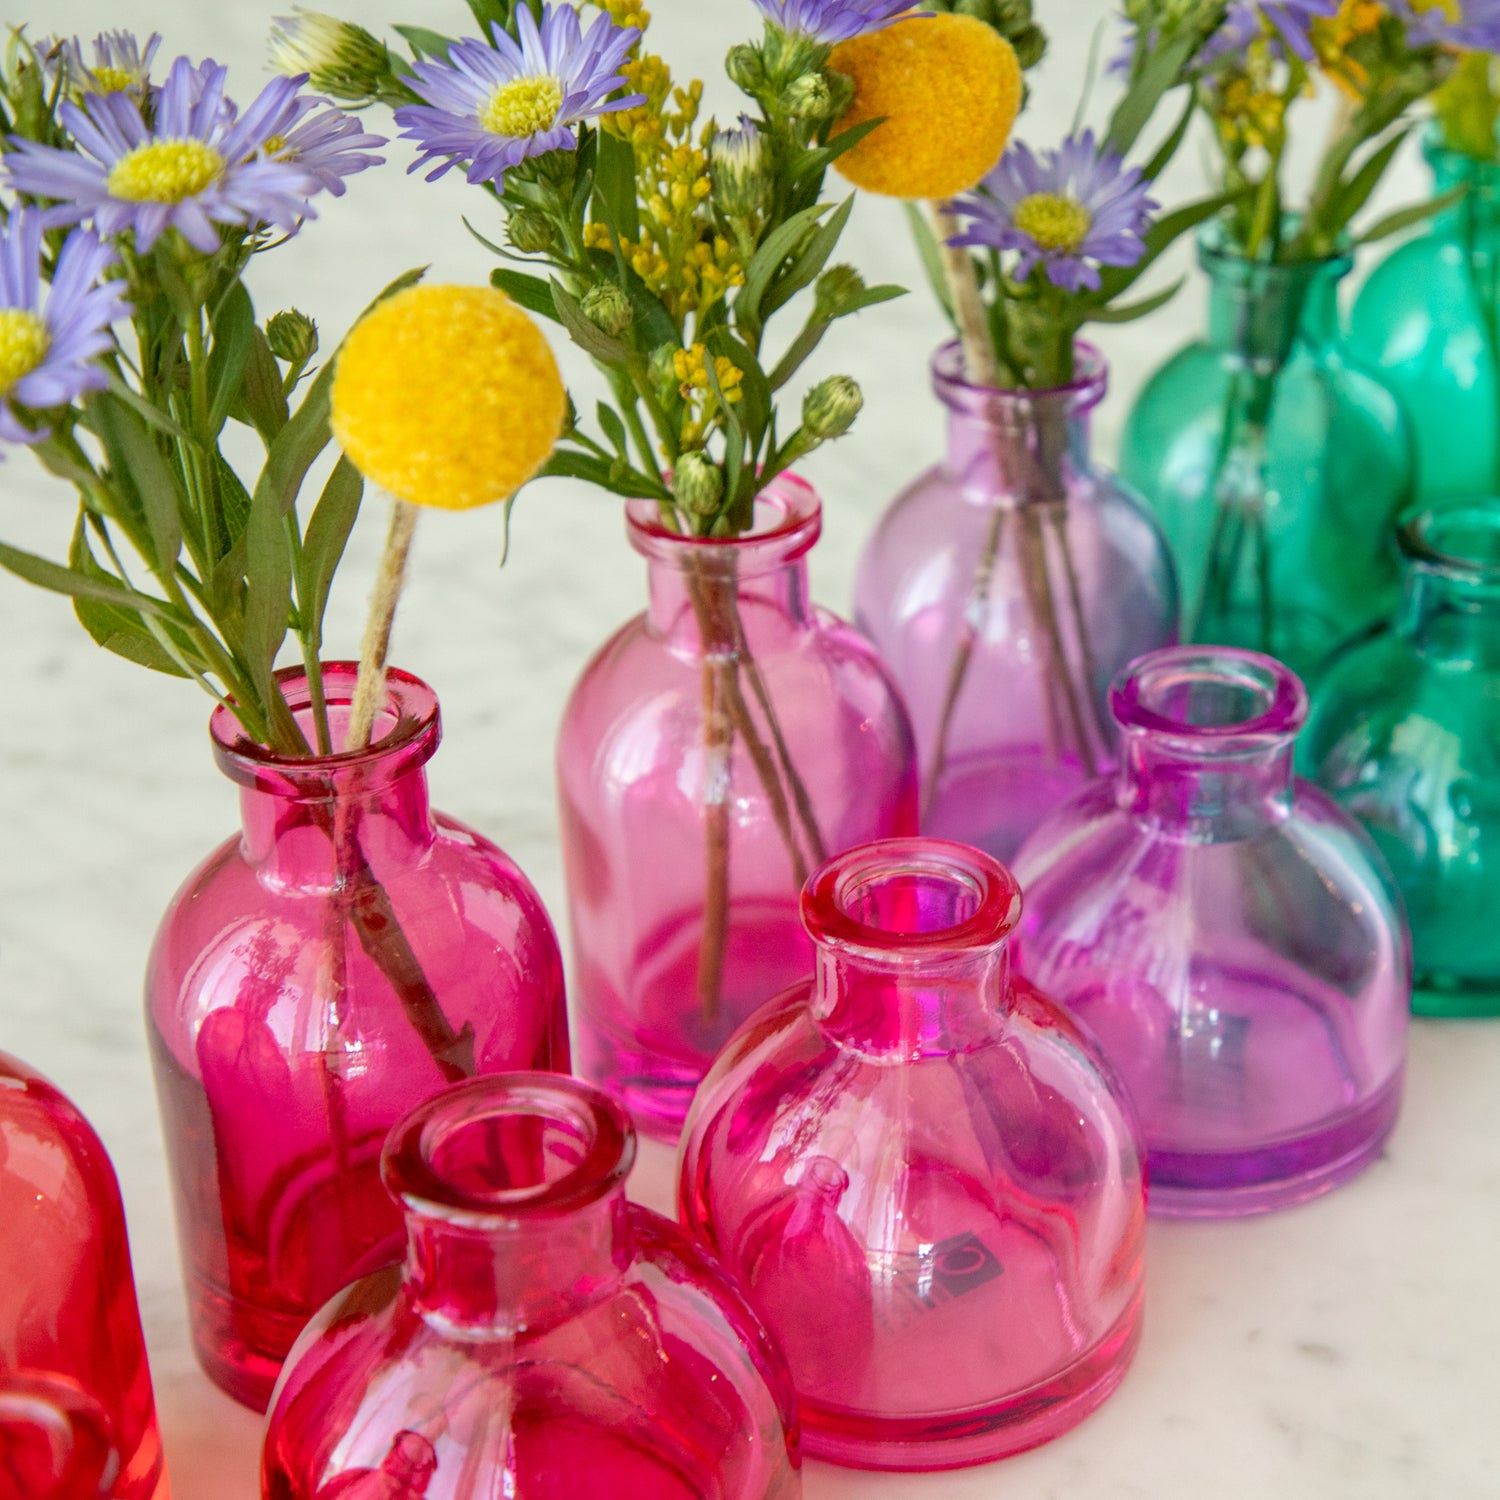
544	1339
1230	935
67	1297
924	1175
1005	588
55	1442
714	751
340	961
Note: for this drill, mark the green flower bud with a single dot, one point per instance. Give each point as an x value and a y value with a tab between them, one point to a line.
741	174
530	231
293	336
786	56
746	70
698	484
830	407
664	379
340	58
608	307
838	288
809	98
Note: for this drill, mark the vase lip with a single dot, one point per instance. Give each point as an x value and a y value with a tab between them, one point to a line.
408	728
77	1426
1226	697
1220	256
989	897
788	520
599	1131
956	391
1458	540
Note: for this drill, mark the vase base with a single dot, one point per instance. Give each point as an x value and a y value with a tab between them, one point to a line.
955	1440
1227	1184
241	1348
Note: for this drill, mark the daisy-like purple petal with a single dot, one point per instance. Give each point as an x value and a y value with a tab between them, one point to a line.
324	142
1286	24
49	352
1431	23
121	64
492	107
830	21
1071	210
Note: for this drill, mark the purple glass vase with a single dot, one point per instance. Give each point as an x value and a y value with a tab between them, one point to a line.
340	961
1005	588
924	1174
1231	936
545	1339
55	1442
714	751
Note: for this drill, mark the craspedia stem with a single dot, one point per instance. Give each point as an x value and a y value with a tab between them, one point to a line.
980	365
369	687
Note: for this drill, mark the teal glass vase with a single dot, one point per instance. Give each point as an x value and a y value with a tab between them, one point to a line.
1275	461
1405	733
1429	319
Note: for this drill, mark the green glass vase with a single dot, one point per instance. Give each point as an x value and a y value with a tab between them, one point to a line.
1429	319
1276	463
1405	733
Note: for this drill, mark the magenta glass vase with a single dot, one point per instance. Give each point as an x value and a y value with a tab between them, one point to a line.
1231	936
924	1174
1005	588
545	1339
55	1442
67	1296
713	752
340	961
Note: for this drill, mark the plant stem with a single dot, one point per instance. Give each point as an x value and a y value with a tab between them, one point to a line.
369	687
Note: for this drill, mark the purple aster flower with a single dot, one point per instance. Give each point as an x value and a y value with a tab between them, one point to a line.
201	164
325	143
1073	210
492	107
48	354
1286	24
121	64
830	21
1470	25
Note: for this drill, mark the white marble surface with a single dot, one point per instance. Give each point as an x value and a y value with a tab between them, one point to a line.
1345	1349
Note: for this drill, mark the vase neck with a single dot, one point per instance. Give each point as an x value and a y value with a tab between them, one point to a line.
911	946
1259	310
1208	736
1451	601
513	1188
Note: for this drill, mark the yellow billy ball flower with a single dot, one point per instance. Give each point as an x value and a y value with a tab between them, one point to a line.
447	396
948	88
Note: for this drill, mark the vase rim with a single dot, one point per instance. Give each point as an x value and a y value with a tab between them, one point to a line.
1461	541
1209	697
988	898
1217	253
788	520
77	1427
408	727
956	391
600	1134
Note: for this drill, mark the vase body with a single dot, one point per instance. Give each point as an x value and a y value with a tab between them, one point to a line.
924	1175
1005	588
56	1443
1428	318
712	753
1405	734
1230	936
1276	463
544	1338
67	1297
343	959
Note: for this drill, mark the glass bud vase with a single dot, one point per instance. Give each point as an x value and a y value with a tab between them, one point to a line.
544	1339
712	753
924	1175
1428	318
55	1442
1005	588
341	960
67	1297
1275	461
1230	936
1405	734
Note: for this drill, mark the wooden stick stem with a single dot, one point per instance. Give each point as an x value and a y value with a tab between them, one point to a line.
369	687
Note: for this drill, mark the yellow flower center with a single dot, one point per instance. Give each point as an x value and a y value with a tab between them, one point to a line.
276	146
164	171
112	81
525	106
1053	222
23	345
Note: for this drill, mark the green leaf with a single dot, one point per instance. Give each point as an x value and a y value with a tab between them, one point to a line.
234	506
1163	71
137	465
614	187
1169	147
809	262
593	341
1164	233
264	395
119	630
425	43
932	259
872	296
782	242
534	294
619	479
1133	310
268	584
1405	218
45	574
145	410
488	13
798	353
234	333
820	158
323	545
614	429
1355	193
753	410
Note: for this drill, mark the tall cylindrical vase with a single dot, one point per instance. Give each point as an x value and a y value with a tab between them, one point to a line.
714	751
343	959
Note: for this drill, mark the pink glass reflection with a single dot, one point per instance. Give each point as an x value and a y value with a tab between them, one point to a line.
341	961
713	752
923	1174
55	1442
544	1339
1231	937
67	1296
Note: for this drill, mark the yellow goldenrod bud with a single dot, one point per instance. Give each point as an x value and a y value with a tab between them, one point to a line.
697	484
293	336
830	407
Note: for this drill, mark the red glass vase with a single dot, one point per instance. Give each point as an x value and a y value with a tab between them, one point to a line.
924	1174
544	1339
55	1442
67	1296
343	959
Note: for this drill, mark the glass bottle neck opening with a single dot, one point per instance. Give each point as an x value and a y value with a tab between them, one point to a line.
1452	587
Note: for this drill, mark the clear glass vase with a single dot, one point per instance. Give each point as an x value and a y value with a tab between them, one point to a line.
1005	588
55	1442
924	1175
67	1296
545	1339
1230	935
1405	734
342	959
712	753
1276	463
1428	318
